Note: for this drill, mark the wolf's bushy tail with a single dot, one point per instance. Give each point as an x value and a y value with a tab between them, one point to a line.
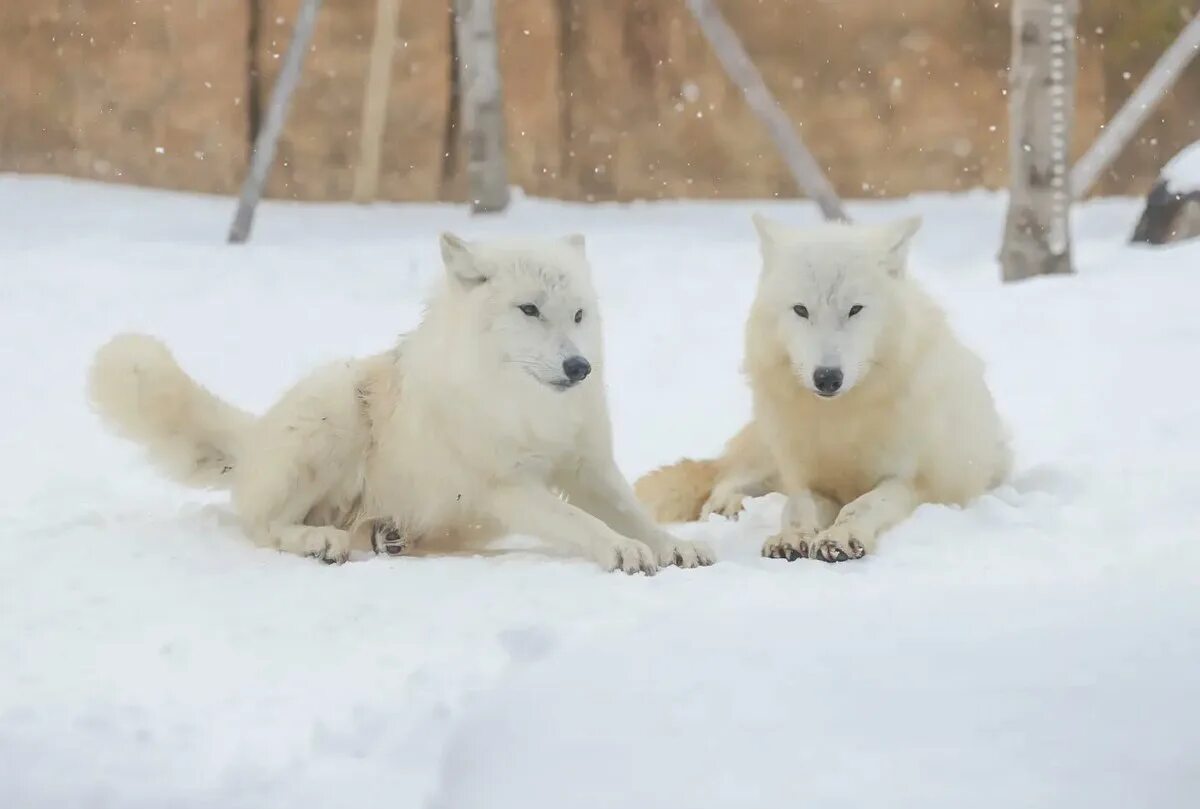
143	395
677	493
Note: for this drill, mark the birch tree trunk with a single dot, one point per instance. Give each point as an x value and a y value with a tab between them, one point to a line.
482	104
375	100
1133	112
737	63
267	140
1037	236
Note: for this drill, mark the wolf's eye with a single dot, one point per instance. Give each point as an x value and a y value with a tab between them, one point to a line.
579	316
529	310
854	310
801	310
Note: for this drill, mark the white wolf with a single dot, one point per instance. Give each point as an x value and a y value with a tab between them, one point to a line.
865	403
476	424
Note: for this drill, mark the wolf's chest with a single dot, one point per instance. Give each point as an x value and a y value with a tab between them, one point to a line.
845	458
532	443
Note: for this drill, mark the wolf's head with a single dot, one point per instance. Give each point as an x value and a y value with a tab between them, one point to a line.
530	303
828	292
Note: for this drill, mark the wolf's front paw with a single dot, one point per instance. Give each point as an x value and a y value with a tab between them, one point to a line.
686	554
790	546
630	556
728	504
839	543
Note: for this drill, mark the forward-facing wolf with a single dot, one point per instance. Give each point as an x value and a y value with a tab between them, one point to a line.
478	423
865	403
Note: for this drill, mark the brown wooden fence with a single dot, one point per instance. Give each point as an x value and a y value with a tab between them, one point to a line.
606	99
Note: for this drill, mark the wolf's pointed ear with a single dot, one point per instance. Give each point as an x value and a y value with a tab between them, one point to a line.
576	241
765	227
460	261
768	239
896	239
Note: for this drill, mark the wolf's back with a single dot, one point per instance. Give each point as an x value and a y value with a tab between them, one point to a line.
143	395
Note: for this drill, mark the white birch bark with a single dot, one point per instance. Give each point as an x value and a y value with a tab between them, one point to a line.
482	104
1037	236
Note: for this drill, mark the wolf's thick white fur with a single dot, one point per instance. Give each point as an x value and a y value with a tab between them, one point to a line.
470	427
910	421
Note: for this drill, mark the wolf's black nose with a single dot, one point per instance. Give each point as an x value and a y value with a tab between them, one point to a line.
827	381
576	368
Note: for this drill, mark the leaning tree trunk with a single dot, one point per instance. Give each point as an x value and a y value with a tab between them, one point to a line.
741	69
482	104
1037	236
1136	109
267	139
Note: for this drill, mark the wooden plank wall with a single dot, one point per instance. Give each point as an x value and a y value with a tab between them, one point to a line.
613	100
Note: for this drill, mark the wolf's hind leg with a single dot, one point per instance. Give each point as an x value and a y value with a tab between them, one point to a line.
322	542
747	469
275	496
381	535
729	495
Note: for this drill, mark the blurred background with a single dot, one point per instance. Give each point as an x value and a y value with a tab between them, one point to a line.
605	99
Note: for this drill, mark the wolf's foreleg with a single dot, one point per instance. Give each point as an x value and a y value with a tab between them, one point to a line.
538	512
856	530
601	490
805	515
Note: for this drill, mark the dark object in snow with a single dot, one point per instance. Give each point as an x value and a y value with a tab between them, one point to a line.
1170	215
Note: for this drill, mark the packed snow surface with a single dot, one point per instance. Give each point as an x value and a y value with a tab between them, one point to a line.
1039	648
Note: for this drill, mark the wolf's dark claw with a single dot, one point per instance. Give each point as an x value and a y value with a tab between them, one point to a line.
830	552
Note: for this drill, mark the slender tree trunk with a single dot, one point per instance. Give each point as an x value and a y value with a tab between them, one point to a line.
277	108
1037	235
482	104
375	101
1136	109
737	63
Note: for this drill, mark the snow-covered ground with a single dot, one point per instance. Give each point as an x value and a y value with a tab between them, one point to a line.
1040	648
